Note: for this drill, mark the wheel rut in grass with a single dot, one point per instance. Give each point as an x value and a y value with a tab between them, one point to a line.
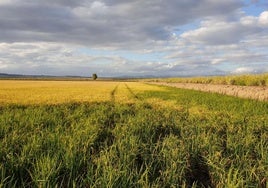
105	137
131	92
103	140
113	93
198	172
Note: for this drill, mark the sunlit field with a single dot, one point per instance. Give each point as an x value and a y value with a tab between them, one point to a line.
242	80
56	92
127	134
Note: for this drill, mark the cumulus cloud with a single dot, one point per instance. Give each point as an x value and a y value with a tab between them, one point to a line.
243	70
249	70
263	19
136	37
103	22
52	58
215	32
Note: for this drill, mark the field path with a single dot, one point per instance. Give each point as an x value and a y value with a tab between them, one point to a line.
252	92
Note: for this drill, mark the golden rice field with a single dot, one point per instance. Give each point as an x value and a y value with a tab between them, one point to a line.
57	92
129	134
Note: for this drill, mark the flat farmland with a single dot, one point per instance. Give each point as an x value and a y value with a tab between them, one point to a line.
56	92
129	134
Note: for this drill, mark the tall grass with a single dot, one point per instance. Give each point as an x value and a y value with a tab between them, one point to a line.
242	80
162	138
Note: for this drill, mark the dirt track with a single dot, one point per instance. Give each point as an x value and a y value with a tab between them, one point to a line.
253	92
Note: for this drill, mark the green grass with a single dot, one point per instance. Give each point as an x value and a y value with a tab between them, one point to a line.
203	140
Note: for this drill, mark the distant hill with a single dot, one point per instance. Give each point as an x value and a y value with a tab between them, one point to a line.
4	75
67	77
22	76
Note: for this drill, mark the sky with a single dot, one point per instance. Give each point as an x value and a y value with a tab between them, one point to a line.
115	38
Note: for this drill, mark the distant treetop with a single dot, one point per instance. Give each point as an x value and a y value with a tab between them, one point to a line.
94	76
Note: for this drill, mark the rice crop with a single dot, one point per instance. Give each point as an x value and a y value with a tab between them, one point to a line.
57	92
241	80
127	134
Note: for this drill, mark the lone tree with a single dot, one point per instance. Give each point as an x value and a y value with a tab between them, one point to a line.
94	76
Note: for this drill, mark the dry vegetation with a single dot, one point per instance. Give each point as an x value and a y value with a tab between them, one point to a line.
245	86
241	80
252	92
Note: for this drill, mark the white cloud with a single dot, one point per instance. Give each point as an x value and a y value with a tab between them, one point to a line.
2	64
46	37
52	58
263	19
243	70
217	61
249	21
215	32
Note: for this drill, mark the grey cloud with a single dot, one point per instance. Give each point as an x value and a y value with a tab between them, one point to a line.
221	34
45	58
123	23
197	68
43	37
248	52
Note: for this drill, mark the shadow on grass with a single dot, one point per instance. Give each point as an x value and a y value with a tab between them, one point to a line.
198	172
